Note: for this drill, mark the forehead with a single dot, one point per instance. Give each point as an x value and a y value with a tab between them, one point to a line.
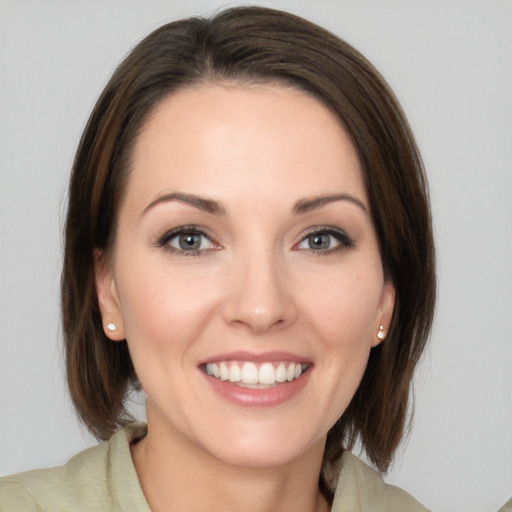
239	140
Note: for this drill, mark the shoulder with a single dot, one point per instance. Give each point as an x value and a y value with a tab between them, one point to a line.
99	478
32	490
82	481
361	489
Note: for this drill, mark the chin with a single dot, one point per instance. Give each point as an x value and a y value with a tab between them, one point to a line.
263	447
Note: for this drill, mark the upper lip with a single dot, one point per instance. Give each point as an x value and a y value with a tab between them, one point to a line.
256	357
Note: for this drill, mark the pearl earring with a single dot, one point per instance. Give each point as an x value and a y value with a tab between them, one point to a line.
111	326
380	334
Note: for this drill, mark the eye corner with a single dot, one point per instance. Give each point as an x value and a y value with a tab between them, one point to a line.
189	240
323	240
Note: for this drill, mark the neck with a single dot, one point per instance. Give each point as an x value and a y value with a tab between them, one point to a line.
177	475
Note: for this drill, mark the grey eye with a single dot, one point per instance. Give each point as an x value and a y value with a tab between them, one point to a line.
190	242
325	240
320	241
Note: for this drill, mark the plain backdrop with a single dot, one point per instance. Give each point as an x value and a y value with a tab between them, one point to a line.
450	63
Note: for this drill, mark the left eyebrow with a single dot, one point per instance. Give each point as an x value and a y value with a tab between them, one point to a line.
201	203
313	203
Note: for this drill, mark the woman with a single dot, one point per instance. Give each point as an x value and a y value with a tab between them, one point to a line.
248	239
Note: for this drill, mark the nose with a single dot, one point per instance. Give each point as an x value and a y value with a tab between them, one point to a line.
258	296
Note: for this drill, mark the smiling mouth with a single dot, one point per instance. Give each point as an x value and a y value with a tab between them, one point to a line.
256	376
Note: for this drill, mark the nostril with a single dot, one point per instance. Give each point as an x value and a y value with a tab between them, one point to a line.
258	297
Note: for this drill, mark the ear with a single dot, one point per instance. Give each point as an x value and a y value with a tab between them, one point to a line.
108	299
385	313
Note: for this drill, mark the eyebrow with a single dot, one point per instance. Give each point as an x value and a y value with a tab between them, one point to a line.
201	203
313	203
215	208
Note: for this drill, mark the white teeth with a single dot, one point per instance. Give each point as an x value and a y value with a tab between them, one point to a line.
281	373
249	374
267	374
290	372
224	372
235	373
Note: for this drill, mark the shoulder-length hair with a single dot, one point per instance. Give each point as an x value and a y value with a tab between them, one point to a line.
254	45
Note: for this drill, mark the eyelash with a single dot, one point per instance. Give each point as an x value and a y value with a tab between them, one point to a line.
345	241
163	241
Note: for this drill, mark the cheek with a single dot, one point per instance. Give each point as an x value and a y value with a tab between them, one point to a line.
343	317
342	314
346	307
163	306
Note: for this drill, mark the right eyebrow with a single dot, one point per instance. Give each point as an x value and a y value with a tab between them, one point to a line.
201	203
314	203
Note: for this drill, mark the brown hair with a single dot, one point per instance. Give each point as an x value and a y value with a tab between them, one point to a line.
246	45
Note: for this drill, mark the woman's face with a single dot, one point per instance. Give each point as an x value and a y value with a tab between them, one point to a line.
246	275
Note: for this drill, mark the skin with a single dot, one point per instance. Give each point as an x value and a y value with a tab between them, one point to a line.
257	284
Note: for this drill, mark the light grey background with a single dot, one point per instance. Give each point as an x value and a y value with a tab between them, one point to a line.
450	62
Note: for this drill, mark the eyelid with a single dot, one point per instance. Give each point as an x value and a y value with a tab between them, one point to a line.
344	239
163	240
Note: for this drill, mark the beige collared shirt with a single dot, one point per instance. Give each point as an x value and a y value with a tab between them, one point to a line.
103	478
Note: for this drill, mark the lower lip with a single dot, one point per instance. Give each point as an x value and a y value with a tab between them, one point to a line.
249	397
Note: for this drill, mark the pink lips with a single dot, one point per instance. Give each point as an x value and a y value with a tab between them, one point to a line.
256	358
246	390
